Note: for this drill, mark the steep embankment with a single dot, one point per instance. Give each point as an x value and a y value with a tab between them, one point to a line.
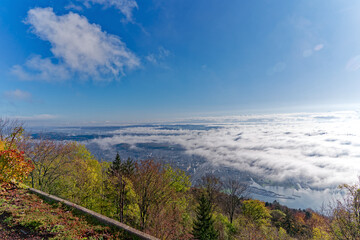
24	215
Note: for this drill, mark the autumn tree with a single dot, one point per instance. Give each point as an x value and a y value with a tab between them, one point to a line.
210	185
345	214
80	179
50	159
12	133
85	176
278	217
170	220
14	165
319	225
152	188
231	200
256	211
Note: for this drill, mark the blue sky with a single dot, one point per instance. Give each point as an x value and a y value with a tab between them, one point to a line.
112	61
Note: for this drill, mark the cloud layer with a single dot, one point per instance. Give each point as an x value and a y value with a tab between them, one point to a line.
315	150
38	117
80	49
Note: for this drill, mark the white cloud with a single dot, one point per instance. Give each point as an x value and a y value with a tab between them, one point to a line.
151	58
307	53
317	150
159	57
80	49
39	117
38	68
126	7
73	7
278	68
353	64
316	48
18	95
163	53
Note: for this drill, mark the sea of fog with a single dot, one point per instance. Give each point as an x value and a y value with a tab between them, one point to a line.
297	159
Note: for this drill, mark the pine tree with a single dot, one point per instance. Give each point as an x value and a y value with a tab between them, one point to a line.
116	165
119	172
203	228
128	167
118	183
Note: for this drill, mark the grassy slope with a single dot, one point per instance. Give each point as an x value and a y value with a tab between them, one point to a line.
24	215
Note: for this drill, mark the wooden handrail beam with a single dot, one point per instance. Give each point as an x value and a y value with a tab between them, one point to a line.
101	218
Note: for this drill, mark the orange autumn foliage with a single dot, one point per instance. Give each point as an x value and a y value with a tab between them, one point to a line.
13	165
300	217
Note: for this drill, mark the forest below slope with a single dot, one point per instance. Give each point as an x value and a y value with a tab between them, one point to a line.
160	199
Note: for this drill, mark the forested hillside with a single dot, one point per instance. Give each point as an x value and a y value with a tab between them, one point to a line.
160	199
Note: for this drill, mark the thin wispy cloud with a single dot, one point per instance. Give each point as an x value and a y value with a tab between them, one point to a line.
318	47
126	7
37	117
353	64
159	57
278	68
18	95
311	51
151	58
80	49
72	6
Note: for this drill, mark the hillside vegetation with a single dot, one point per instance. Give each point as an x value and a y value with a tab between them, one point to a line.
157	199
24	215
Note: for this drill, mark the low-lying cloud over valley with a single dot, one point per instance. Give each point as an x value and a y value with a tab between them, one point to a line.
316	150
299	159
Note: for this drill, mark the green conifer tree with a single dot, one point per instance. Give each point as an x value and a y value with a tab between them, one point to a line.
203	228
119	173
116	165
128	167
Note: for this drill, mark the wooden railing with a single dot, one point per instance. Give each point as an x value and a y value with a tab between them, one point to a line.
103	219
